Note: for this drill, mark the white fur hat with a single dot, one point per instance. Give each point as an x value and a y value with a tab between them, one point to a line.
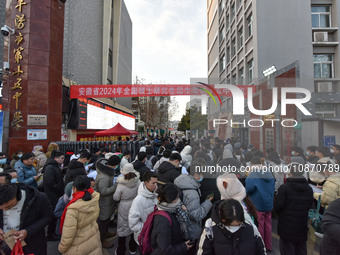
234	188
128	168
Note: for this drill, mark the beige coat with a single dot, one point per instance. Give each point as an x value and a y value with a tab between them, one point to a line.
331	190
80	235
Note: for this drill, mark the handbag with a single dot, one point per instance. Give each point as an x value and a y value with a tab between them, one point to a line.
17	249
316	218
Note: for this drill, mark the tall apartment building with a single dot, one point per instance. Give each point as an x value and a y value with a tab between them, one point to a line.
246	37
98	43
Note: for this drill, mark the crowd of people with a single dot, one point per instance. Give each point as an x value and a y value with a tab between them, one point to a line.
160	201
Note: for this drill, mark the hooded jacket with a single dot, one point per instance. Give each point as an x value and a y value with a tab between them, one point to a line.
53	181
237	191
159	162
74	169
243	242
260	186
141	207
191	199
167	172
331	226
292	203
331	190
36	214
80	233
105	187
26	174
125	193
141	168
186	156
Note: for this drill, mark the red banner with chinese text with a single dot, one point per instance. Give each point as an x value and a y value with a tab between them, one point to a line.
152	90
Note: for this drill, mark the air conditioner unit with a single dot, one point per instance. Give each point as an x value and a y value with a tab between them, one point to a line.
325	87
320	37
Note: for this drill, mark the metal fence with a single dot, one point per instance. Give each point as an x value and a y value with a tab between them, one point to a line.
132	146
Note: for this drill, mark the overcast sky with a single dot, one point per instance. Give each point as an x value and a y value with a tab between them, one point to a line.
169	42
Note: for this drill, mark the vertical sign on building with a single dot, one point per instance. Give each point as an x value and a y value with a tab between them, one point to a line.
19	22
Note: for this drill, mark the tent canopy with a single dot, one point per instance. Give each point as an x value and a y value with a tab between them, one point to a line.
116	130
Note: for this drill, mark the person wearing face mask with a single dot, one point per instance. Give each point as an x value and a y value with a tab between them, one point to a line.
168	171
26	171
15	157
77	167
3	161
226	232
189	184
14	175
166	237
106	187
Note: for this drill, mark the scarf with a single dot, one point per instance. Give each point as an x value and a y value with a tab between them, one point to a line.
76	196
181	215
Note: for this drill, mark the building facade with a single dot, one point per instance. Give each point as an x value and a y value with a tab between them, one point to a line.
98	43
246	37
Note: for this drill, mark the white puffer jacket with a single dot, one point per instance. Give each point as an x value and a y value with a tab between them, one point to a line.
125	193
141	207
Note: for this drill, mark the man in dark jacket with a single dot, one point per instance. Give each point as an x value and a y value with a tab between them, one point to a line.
77	167
168	171
331	226
53	186
26	211
139	164
293	200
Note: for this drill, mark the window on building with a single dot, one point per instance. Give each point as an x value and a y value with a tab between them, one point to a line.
109	81
227	22
222	34
111	29
110	58
250	71
240	37
222	63
323	66
233	47
325	110
233	79
250	24
321	16
228	54
241	75
233	11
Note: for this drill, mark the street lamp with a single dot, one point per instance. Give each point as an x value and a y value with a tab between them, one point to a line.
7	31
269	71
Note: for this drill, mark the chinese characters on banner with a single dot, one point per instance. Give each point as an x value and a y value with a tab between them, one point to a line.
17	87
129	90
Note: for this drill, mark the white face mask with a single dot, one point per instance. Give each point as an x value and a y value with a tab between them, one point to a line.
232	229
332	151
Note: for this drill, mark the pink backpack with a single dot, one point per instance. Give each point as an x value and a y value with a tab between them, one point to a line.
144	237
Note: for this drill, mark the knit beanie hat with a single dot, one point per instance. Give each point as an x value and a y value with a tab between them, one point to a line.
128	168
234	190
68	189
113	160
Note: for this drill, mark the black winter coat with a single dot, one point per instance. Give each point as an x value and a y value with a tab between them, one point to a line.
165	239
167	172
74	169
242	242
331	226
35	216
140	167
293	200
53	181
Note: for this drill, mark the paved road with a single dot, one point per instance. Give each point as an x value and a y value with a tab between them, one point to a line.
313	244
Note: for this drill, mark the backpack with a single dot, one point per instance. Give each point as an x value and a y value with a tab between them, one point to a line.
148	162
144	237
